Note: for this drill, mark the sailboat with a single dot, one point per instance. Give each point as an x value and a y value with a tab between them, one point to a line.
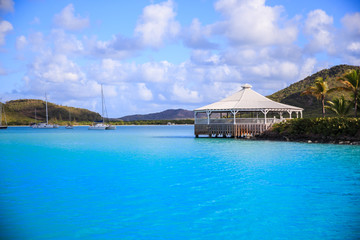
101	125
45	125
2	110
69	126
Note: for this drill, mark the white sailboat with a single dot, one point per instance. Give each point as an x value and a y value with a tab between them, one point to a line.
45	125
2	110
101	125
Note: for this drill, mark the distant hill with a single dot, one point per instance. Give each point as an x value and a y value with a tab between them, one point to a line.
22	112
312	107
171	114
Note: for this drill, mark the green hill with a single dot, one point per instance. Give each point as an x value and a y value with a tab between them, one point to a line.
22	112
312	107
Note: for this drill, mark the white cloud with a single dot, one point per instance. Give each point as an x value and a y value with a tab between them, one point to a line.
348	41
118	47
7	5
196	36
182	94
354	47
67	20
60	77
157	23
318	26
65	43
252	22
283	70
21	42
5	28
204	57
308	68
37	42
144	93
57	69
155	71
113	71
223	73
351	23
161	97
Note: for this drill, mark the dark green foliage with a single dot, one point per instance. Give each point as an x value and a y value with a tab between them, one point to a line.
324	127
339	106
351	83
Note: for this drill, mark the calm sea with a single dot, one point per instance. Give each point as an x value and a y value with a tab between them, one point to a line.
159	182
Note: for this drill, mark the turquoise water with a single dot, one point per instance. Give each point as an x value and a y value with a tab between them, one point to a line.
159	182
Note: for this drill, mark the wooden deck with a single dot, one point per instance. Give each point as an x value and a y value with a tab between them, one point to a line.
230	130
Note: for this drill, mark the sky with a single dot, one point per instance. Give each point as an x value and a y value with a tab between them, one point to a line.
155	55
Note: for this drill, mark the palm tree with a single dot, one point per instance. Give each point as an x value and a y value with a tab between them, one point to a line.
319	90
351	82
340	106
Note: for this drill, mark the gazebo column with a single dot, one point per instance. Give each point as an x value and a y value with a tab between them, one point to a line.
208	113
265	112
281	116
301	114
234	114
290	113
297	114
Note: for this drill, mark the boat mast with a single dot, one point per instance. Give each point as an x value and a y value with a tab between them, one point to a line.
47	117
0	112
4	115
102	103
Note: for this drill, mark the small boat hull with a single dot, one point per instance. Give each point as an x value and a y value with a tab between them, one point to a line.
43	126
3	127
110	127
98	126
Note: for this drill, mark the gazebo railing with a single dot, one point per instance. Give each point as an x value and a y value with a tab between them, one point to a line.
237	120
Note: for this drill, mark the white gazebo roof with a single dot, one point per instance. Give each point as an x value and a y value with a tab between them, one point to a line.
247	100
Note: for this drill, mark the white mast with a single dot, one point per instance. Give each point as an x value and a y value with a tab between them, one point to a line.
102	103
0	112
47	116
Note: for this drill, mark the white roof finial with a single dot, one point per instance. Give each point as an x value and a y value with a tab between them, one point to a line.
246	86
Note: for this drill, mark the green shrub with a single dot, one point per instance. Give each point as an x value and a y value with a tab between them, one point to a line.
335	126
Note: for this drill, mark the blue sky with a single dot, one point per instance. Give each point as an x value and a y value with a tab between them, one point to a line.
155	55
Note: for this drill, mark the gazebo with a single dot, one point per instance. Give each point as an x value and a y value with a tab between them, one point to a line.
245	113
